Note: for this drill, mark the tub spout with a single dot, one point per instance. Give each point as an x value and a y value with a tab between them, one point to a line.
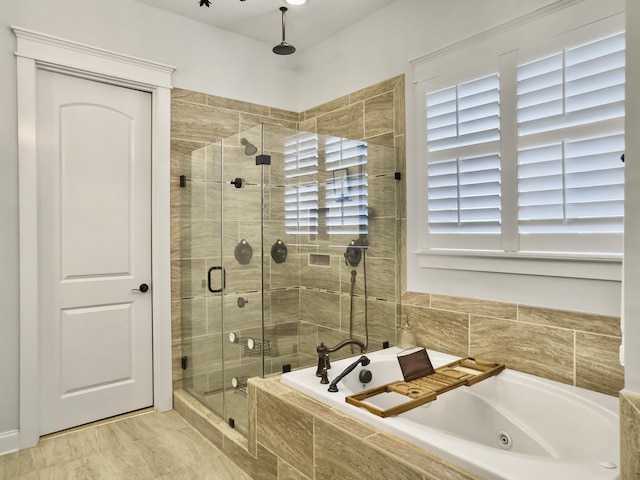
323	356
333	387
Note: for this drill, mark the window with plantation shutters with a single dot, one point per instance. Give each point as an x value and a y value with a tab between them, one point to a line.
570	107
301	184
526	160
346	186
463	167
342	194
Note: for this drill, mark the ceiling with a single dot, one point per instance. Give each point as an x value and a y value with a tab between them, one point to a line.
262	20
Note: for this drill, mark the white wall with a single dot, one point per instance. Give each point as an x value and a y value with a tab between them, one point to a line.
207	60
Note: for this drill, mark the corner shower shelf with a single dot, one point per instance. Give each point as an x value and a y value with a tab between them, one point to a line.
467	371
258	349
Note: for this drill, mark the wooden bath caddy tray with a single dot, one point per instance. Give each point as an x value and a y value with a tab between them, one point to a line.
466	371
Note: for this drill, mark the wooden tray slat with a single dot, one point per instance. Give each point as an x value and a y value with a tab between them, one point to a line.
466	371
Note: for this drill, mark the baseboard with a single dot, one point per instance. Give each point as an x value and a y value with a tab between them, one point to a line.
9	442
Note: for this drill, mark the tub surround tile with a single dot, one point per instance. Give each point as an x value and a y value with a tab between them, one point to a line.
471	306
534	349
438	468
629	435
287	472
571	320
378	314
416	298
439	330
338	419
338	454
598	364
286	432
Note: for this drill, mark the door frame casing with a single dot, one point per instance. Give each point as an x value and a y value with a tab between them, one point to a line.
41	51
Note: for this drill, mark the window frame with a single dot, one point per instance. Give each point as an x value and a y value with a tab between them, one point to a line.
485	256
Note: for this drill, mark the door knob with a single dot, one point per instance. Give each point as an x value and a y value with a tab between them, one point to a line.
143	288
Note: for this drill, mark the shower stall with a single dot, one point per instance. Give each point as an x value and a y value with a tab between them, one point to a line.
286	239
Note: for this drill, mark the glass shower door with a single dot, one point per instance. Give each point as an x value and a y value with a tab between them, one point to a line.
242	252
200	268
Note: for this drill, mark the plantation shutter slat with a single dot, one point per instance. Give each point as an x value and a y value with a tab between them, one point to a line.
573	186
466	114
464	195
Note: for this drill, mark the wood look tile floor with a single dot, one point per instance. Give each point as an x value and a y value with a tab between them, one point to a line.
145	446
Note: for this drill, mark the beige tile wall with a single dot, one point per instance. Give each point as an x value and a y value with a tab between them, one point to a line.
296	289
375	114
629	436
574	348
198	121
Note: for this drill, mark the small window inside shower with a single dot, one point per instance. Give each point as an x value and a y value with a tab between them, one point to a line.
301	183
326	185
346	187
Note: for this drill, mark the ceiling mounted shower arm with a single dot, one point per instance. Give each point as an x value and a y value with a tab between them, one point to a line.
283	48
283	10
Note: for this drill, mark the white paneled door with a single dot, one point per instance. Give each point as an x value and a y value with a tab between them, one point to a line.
94	250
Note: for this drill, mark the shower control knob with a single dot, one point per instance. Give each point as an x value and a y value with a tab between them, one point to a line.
242	302
237	182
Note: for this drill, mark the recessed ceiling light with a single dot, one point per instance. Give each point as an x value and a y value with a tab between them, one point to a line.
295	2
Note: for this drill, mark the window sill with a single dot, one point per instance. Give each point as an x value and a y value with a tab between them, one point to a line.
537	264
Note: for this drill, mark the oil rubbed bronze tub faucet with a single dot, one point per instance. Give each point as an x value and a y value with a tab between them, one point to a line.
323	356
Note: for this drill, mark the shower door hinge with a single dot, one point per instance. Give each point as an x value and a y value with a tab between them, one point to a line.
263	159
183	362
397	176
183	181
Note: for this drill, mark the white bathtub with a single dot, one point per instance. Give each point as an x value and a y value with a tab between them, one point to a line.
557	432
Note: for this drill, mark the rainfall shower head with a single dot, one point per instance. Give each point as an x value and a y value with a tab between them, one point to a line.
249	148
283	48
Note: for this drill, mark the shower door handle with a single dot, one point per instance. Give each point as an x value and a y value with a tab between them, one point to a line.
224	279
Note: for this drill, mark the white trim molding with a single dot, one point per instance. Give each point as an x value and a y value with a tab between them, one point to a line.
9	442
40	51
